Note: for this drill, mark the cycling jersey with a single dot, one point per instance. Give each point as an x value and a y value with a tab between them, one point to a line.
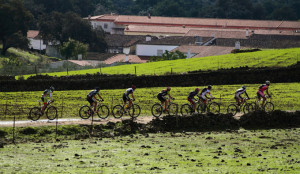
164	92
204	92
128	91
264	87
44	95
92	93
239	92
192	94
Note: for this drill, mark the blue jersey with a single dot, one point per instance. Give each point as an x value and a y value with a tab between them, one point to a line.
92	93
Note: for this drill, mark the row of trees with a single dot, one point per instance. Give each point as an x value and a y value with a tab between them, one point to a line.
66	30
241	9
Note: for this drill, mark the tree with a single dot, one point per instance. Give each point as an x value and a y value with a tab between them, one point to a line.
72	48
14	22
59	28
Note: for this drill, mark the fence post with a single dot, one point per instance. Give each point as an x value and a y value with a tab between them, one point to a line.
220	102
135	69
14	125
5	110
100	69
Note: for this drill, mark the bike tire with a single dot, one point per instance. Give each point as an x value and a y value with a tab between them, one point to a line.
157	110
103	111
269	107
51	113
201	108
173	109
35	113
214	108
248	108
118	111
233	109
85	112
134	111
186	110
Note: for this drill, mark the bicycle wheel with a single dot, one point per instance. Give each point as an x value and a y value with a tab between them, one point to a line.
173	109
248	108
134	110
156	110
232	108
201	107
269	107
118	111
85	112
34	113
214	108
186	110
103	111
51	113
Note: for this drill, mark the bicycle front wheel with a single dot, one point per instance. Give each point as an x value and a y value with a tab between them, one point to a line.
118	111
35	113
173	109
134	110
214	108
201	107
157	110
85	112
248	108
103	111
269	107
51	113
232	108
186	110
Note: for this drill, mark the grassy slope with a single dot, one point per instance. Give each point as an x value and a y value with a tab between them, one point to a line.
242	151
271	58
285	97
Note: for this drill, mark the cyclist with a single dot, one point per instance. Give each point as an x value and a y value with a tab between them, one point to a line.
91	98
191	98
45	100
238	93
204	92
162	97
260	92
126	96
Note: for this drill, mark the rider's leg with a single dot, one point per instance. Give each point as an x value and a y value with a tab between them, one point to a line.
95	105
264	99
43	107
166	104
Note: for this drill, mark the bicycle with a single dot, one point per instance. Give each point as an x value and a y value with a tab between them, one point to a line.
157	109
212	107
246	107
35	113
134	110
85	112
188	108
267	107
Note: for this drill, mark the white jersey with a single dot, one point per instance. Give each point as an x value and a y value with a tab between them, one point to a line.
204	92
240	91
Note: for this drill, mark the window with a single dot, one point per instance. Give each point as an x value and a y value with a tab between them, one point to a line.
160	52
105	26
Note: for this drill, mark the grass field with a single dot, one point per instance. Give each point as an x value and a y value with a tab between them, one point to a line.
285	97
265	58
240	151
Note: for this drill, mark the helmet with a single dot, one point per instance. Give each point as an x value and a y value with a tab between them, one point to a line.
197	89
133	87
209	87
168	88
97	88
244	87
267	82
52	88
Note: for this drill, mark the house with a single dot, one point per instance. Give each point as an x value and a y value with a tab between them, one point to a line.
35	40
125	59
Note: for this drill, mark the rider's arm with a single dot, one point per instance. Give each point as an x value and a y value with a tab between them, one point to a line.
132	96
246	94
267	91
210	95
51	96
100	96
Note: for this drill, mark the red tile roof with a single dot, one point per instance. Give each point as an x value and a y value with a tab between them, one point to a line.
156	29
121	58
32	33
219	33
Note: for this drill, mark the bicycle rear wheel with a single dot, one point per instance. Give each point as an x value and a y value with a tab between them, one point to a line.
85	112
248	108
269	107
103	111
173	109
214	108
157	110
118	111
51	113
34	113
134	110
232	108
186	110
201	107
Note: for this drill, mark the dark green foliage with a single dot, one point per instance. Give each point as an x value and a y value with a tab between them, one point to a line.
28	130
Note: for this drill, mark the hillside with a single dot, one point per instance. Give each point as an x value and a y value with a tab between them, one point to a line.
265	58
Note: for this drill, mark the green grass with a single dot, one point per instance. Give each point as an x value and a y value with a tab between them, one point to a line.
285	97
265	58
241	151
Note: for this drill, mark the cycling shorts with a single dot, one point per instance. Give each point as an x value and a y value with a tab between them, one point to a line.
260	94
203	99
238	96
161	98
91	100
125	97
44	99
191	100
